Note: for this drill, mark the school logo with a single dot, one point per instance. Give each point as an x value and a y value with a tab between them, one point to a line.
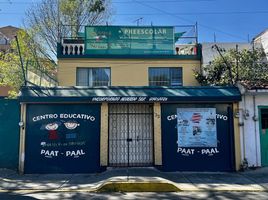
71	126
52	130
61	130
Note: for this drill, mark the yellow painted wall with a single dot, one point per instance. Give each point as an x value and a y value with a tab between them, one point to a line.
157	135
104	135
238	160
125	72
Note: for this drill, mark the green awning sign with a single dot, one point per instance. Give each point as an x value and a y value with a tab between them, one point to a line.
129	40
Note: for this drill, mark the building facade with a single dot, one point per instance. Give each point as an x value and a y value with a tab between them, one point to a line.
128	98
253	122
252	112
209	52
261	41
7	34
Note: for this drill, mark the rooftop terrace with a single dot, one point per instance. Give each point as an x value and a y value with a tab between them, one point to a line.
179	42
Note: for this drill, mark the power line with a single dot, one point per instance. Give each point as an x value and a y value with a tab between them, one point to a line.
166	1
189	21
201	13
145	1
182	13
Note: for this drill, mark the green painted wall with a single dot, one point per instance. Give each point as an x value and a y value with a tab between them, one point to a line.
9	133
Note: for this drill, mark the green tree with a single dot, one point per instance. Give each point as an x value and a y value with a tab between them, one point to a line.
10	73
51	19
247	66
10	66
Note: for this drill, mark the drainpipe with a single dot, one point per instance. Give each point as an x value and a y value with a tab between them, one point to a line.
243	129
255	126
242	118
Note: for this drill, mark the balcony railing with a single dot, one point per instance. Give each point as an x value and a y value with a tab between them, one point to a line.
73	46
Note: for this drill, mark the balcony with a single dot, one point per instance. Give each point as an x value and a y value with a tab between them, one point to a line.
72	46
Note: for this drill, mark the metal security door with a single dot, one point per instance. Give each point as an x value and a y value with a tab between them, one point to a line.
130	135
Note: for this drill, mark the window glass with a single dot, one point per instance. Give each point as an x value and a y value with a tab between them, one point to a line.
101	77
3	40
175	76
165	76
93	77
82	77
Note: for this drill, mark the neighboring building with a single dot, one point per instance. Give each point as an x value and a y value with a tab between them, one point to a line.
253	112
253	108
7	34
209	53
33	75
253	122
128	97
38	77
261	41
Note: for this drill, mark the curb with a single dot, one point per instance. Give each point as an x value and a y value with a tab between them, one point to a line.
131	187
138	187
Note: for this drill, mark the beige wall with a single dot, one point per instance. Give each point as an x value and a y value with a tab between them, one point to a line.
157	135
43	80
104	135
125	72
237	139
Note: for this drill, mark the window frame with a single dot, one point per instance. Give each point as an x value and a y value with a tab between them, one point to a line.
181	68
88	68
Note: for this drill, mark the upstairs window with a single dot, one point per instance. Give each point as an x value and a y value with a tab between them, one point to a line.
93	77
165	76
264	118
3	41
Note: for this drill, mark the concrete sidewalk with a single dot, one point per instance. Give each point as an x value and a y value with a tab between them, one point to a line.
250	180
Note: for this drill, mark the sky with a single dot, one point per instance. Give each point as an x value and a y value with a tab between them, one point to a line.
220	20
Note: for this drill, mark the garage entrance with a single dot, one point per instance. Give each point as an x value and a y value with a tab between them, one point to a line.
130	135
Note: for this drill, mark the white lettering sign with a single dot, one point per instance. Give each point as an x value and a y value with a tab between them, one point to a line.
129	99
63	116
73	153
48	153
210	151
185	152
218	116
189	152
